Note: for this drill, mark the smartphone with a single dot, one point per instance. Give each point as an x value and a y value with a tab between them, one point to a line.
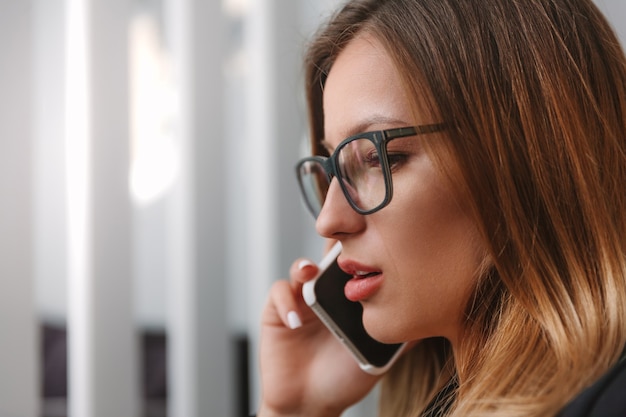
344	318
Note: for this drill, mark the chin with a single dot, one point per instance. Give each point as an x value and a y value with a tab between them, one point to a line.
382	329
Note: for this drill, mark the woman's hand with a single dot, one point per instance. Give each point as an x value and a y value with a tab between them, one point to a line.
305	371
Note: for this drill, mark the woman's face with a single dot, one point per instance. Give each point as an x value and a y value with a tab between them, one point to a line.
421	253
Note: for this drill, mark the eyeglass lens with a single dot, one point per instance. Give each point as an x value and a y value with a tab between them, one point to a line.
314	183
359	172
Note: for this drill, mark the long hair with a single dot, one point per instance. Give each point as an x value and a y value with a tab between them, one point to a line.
534	96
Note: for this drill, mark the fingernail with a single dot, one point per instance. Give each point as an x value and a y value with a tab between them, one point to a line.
304	263
293	320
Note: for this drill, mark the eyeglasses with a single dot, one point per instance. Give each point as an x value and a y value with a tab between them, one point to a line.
361	165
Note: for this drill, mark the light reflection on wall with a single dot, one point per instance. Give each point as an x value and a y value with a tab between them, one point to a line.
154	152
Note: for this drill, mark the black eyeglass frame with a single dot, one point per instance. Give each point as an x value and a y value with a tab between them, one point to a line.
379	138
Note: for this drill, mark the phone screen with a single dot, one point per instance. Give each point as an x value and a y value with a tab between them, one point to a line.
348	316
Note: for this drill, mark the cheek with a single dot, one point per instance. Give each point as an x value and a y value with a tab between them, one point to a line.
441	234
428	222
436	252
440	246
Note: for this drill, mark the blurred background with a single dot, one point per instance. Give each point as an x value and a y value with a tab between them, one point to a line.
148	199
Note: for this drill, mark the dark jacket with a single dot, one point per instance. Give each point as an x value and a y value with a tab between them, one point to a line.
605	398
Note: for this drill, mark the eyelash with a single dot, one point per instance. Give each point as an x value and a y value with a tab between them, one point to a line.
395	159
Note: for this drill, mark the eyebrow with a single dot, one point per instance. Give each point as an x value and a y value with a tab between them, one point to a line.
366	126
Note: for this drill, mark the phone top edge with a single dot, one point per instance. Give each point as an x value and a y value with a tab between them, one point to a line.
308	289
330	257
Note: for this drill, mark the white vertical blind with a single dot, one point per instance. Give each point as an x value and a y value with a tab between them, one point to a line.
102	349
182	320
18	358
259	146
199	362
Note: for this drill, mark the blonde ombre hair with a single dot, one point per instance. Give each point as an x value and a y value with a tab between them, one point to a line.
534	94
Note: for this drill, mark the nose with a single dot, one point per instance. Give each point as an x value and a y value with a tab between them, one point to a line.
337	218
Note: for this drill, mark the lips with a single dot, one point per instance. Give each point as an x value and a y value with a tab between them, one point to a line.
365	282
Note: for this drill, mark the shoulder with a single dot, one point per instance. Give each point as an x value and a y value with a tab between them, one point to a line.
605	398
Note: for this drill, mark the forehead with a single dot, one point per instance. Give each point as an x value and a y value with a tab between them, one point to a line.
363	91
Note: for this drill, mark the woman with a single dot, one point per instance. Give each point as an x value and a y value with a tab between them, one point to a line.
501	254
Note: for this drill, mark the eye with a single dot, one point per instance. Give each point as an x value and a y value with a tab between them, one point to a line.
371	159
396	160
